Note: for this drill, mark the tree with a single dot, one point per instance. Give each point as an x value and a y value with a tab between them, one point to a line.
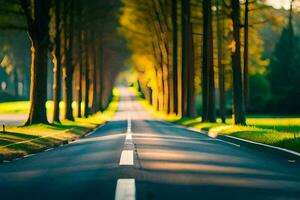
284	71
219	29
80	45
208	81
37	16
175	55
57	63
187	71
246	54
86	74
68	67
238	94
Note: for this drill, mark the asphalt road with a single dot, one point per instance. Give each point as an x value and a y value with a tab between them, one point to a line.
138	157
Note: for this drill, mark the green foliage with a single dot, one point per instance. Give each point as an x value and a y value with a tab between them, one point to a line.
285	73
259	92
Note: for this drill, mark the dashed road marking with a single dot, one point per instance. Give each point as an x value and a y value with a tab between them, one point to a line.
128	136
125	189
126	157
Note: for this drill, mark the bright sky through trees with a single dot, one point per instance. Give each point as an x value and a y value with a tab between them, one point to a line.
283	3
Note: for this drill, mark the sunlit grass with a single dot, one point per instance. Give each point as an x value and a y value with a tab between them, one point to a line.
20	141
16	107
282	132
277	132
22	107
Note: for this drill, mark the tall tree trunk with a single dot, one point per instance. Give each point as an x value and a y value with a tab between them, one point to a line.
38	91
68	67
165	71
94	91
222	99
170	80
57	64
79	91
155	96
161	80
175	55
68	94
86	74
185	20
208	82
81	47
205	61
246	53
238	94
101	71
38	27
191	111
187	99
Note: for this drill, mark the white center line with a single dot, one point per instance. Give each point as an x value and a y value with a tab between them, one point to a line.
129	124
126	157
128	136
125	189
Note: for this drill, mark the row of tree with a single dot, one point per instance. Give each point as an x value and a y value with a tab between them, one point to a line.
77	36
204	54
173	29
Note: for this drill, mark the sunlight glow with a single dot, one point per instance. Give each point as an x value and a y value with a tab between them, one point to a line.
278	4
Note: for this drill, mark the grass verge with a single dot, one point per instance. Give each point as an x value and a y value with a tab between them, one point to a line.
280	131
20	141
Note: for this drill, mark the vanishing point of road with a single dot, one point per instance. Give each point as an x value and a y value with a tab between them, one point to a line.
136	156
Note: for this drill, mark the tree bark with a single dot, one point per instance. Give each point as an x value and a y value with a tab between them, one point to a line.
94	91
246	53
175	55
101	81
185	23
238	94
208	82
191	111
222	99
86	77
57	64
68	67
81	47
165	71
37	16
38	91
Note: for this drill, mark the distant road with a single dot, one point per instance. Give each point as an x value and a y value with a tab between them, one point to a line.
136	156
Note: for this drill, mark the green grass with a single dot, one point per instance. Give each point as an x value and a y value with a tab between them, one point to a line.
16	107
281	131
22	107
20	141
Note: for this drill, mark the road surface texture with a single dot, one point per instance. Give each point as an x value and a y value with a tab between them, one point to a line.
136	156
